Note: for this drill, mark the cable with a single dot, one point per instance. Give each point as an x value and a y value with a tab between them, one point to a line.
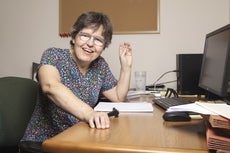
155	83
162	83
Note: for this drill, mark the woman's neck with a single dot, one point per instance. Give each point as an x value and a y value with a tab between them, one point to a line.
82	66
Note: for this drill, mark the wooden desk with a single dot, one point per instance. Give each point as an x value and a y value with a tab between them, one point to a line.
132	133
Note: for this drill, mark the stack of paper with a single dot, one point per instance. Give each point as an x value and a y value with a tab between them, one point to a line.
221	109
193	107
207	108
124	106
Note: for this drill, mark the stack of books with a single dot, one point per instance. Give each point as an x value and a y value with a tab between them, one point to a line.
218	134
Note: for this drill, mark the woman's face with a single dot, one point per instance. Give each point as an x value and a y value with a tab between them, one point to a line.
89	44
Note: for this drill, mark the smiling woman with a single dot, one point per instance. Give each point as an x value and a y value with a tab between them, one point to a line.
72	79
133	16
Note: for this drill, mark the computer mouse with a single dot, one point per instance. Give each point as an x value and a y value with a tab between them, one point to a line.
176	116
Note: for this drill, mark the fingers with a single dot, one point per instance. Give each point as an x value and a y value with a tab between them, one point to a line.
99	120
125	55
125	49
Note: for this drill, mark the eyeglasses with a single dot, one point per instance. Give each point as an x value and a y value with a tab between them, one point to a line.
85	37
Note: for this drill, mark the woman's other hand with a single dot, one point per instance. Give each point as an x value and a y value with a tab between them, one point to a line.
125	54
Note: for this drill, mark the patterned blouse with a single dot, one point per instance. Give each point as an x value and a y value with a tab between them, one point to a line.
48	119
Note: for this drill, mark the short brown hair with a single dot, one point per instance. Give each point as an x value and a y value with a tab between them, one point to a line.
94	20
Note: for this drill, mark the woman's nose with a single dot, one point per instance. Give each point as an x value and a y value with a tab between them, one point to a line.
90	42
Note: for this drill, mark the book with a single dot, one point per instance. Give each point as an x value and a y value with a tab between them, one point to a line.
218	121
218	140
218	134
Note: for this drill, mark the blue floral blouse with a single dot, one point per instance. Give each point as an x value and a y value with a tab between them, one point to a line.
48	119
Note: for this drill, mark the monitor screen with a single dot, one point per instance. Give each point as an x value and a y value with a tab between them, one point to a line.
215	68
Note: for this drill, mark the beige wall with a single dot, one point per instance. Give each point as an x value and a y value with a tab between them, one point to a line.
28	27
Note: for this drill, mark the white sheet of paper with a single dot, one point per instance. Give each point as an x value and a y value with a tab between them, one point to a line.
193	107
124	106
207	108
222	109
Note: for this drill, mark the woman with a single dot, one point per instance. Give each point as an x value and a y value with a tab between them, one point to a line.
72	79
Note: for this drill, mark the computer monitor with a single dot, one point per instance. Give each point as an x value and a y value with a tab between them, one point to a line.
215	68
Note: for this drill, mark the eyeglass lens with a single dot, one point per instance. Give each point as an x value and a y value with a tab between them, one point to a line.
86	37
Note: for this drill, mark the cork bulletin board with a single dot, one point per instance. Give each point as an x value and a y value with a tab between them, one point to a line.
127	16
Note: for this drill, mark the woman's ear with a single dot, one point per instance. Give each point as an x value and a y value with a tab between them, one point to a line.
73	41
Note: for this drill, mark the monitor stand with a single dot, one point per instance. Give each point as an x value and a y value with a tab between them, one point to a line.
211	97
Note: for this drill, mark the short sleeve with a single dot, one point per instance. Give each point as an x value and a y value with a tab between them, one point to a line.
50	57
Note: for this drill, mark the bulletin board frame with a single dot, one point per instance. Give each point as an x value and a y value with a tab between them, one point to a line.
127	16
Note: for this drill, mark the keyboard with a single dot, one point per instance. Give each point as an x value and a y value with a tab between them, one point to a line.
167	102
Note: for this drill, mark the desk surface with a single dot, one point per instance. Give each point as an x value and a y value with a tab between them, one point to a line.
132	133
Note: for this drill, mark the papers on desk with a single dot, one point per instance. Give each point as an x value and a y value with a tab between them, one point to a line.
207	108
137	107
219	118
135	94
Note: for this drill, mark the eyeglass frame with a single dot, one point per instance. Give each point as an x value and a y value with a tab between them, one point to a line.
89	37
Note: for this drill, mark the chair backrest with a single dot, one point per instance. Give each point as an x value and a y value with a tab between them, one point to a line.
17	102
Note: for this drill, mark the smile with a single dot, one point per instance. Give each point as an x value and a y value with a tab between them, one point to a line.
87	50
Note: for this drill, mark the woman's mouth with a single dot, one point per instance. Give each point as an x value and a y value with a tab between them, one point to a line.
87	50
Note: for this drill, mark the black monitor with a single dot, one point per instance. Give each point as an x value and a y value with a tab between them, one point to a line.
215	68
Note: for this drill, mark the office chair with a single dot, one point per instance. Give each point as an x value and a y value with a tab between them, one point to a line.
17	102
